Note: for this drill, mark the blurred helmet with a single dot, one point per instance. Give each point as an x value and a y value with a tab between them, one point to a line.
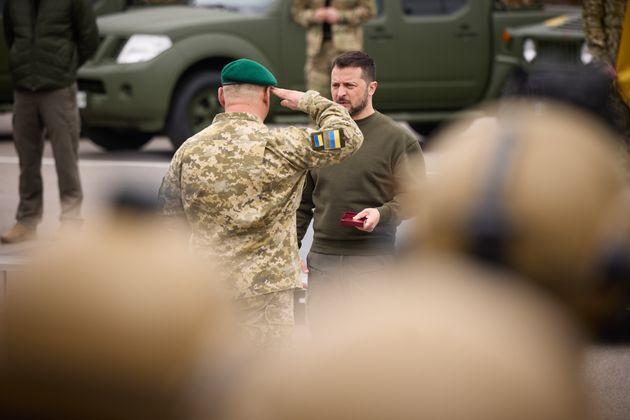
119	324
537	188
448	341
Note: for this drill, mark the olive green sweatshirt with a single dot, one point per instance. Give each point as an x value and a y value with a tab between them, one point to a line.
366	179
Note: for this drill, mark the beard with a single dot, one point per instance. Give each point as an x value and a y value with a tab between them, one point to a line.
354	110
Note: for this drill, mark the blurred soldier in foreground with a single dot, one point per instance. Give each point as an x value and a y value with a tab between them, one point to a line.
237	184
332	27
47	41
121	324
368	183
607	30
446	341
538	190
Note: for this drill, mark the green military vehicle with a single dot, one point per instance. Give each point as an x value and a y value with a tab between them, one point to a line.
556	40
157	69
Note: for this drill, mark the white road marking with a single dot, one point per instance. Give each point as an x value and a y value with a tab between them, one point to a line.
13	160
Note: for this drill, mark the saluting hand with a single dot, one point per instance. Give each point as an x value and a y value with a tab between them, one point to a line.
372	217
288	98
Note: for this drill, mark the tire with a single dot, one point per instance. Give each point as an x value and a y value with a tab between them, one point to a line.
112	139
194	105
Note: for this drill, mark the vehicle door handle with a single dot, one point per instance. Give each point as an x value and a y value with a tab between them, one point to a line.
465	31
380	32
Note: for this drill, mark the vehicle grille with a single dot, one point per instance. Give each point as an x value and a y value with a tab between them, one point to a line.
558	52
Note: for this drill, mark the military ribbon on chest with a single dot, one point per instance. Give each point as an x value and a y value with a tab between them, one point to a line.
327	140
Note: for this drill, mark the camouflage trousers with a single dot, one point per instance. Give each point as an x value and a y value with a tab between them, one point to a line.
267	320
318	68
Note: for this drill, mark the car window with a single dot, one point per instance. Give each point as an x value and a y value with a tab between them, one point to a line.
432	7
379	7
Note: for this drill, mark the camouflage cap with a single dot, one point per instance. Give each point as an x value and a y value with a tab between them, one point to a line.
247	71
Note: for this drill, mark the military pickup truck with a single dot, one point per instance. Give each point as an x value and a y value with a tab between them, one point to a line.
157	69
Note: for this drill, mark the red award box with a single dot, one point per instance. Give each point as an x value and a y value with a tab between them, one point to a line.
346	220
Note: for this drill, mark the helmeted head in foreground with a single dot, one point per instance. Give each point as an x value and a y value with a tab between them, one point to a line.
538	189
119	324
439	341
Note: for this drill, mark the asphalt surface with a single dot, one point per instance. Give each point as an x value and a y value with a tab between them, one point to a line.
607	368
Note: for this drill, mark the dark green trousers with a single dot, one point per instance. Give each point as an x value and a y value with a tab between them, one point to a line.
336	281
53	115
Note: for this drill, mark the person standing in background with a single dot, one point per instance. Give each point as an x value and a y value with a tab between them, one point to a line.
47	41
607	30
332	27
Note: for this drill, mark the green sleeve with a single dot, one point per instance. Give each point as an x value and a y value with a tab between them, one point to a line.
409	165
85	29
305	211
8	26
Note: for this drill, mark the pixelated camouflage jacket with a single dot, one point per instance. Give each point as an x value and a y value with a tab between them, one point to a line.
603	22
347	34
238	185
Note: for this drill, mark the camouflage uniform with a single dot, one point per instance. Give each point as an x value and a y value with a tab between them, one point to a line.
603	23
238	184
347	35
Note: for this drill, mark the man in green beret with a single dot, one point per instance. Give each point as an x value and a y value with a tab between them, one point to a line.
237	184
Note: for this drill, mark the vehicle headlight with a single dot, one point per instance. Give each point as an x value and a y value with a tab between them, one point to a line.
585	55
141	48
529	50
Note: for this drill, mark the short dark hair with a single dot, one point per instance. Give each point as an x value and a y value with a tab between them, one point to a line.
357	59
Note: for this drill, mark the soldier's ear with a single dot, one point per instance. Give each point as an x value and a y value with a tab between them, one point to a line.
221	97
267	95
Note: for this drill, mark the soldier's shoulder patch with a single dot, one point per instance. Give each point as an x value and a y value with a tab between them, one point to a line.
327	140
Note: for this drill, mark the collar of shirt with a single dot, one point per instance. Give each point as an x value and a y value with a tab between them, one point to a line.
231	116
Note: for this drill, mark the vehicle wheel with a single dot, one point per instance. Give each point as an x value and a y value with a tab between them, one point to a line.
112	139
194	105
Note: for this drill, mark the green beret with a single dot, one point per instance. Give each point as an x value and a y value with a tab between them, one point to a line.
247	71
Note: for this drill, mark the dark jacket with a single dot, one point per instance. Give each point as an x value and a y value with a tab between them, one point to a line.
48	40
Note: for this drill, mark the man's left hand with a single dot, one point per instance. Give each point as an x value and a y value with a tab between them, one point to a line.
372	217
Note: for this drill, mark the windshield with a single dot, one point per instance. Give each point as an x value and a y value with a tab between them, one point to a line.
251	5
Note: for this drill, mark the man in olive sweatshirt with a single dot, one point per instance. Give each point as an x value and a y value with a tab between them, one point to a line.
369	183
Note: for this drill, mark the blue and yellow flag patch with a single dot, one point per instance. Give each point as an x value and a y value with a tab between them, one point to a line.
327	140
